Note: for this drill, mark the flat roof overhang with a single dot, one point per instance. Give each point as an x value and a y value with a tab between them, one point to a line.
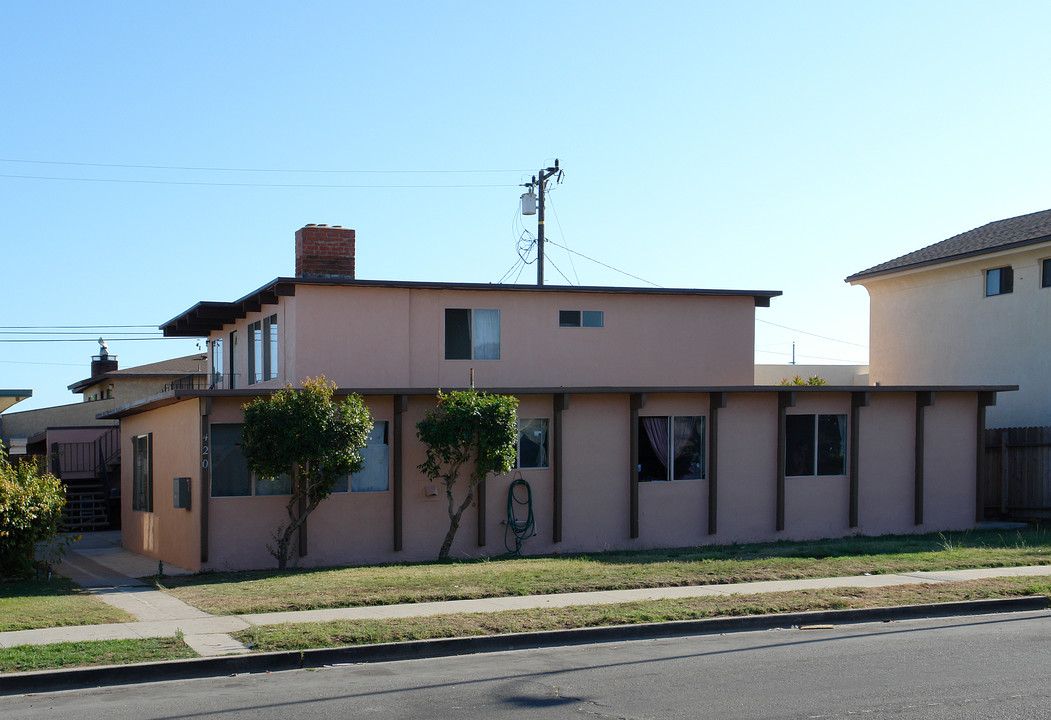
175	396
208	316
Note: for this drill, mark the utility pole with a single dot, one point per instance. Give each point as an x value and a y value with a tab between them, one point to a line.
540	185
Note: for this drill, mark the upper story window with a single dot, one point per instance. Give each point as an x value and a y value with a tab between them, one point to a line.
472	334
233	359
999	281
1045	273
262	356
580	318
217	363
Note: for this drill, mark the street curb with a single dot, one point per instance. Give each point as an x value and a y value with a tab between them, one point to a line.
52	680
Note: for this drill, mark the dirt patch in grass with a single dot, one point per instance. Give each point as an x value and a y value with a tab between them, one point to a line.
270	591
361	632
31	604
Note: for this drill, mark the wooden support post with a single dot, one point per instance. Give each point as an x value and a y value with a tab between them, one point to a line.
785	400
858	400
716	401
985	399
637	402
401	404
924	399
560	403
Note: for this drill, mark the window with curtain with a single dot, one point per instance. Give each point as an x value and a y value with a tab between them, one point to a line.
671	448
815	445
532	443
472	334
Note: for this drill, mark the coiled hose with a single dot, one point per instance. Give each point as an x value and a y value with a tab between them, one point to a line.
522	529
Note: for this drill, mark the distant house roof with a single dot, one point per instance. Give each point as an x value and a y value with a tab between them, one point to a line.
207	316
1000	235
172	367
10	397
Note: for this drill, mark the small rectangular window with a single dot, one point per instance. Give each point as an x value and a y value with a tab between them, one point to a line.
532	443
593	318
569	318
999	281
269	346
1045	273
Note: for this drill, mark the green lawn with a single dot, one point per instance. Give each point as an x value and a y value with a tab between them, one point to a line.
301	636
103	652
268	591
30	604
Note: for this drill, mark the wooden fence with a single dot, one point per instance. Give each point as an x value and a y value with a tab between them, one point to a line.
1017	472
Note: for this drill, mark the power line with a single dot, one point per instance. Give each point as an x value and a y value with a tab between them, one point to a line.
27	362
91	340
54	332
812	357
599	262
72	327
261	185
804	332
253	170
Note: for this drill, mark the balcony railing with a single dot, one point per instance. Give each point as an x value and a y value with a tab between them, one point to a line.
202	382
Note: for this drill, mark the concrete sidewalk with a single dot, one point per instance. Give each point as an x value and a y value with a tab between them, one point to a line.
106	573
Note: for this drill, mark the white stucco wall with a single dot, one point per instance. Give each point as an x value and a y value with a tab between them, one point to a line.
936	326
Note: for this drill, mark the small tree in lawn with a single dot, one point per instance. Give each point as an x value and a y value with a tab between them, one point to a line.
308	433
31	502
470	428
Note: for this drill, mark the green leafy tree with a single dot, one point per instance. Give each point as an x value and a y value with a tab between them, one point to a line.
31	502
311	435
469	428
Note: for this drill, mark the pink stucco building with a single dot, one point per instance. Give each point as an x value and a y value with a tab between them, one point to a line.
639	423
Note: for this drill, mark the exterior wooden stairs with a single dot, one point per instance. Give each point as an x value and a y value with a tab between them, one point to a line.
91	473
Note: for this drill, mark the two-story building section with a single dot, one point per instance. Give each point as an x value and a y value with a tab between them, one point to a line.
975	308
639	423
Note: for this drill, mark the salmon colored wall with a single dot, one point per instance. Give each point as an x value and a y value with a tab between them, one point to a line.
168	533
394	337
747	468
358	527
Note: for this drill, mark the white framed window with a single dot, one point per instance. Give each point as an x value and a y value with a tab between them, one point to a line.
671	447
217	363
472	334
815	445
262	356
532	451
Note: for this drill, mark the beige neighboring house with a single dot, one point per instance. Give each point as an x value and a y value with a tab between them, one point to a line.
82	450
973	309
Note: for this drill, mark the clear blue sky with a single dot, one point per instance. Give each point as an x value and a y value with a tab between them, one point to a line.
749	145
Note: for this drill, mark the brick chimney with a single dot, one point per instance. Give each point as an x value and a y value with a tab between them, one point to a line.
325	252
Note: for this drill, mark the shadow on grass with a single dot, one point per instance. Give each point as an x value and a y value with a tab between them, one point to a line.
54	587
1037	537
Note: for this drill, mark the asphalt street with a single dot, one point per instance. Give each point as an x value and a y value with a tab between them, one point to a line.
990	666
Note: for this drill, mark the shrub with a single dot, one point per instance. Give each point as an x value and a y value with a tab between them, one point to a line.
31	505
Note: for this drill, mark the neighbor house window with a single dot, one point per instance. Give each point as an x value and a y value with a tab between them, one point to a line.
816	445
472	334
999	281
142	473
374	475
580	318
270	348
230	474
671	448
217	363
532	443
1045	273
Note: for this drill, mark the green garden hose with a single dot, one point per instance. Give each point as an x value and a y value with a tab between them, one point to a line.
522	529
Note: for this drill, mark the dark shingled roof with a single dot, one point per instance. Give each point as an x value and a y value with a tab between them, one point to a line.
1000	235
